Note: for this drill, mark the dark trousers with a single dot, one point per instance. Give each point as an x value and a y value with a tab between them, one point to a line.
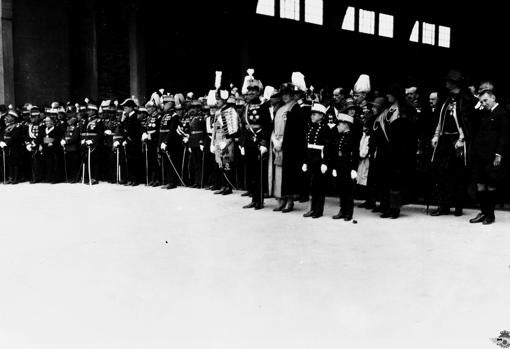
72	165
197	162
50	166
170	168
317	188
94	164
36	166
12	165
152	162
451	175
345	191
256	172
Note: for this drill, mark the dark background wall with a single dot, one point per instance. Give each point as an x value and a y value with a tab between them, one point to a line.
71	49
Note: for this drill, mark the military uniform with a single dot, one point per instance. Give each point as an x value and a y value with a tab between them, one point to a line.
71	146
225	130
169	145
344	159
50	151
256	128
151	143
91	140
12	138
196	143
33	144
132	133
316	162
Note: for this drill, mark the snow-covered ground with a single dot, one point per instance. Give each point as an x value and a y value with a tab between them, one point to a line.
134	267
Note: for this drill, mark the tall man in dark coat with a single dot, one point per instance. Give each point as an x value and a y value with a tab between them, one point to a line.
132	143
490	152
451	143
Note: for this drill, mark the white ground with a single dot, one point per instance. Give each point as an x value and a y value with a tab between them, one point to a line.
122	267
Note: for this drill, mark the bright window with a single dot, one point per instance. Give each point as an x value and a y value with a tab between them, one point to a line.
444	36
428	34
313	11
385	25
366	22
289	9
265	7
348	23
414	33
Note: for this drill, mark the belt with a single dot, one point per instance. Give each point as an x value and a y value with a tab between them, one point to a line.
255	126
117	137
48	140
89	134
196	132
151	132
315	146
164	131
7	138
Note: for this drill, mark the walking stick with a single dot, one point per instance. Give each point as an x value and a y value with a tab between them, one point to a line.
3	160
146	166
90	172
261	181
118	164
229	182
65	164
202	173
183	158
175	169
162	162
83	172
126	160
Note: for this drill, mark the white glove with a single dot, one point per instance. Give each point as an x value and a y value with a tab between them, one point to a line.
223	145
324	168
163	146
116	144
89	142
201	147
354	174
82	142
212	148
3	144
63	142
108	132
50	144
145	136
243	152
434	141
40	147
459	144
29	147
185	140
263	149
124	143
304	168
334	173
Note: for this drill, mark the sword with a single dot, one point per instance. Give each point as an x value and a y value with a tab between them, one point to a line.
202	173
90	172
162	162
229	182
261	181
3	160
146	167
176	172
65	164
118	164
183	158
127	165
83	172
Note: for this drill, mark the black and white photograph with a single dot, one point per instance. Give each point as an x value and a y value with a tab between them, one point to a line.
305	174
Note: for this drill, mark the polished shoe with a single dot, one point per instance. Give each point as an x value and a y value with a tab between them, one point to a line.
458	212
386	214
368	205
94	182
218	192
246	194
489	220
440	211
169	186
478	219
317	215
347	218
289	207
308	214
339	215
258	207
227	191
250	205
395	213
279	207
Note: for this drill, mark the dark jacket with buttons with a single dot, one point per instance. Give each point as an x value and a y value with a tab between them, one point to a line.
317	143
493	136
256	125
344	152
